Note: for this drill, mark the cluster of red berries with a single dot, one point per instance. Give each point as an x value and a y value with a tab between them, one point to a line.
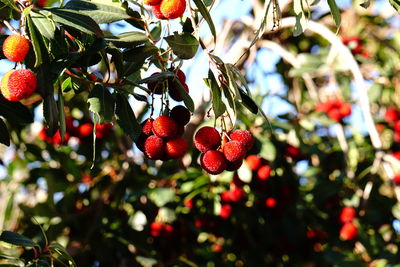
83	132
349	230
161	138
355	45
259	166
167	9
158	86
41	3
336	109
218	156
159	229
21	83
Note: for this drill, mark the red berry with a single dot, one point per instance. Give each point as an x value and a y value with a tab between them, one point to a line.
157	86
189	203
216	247
270	202
244	137
348	231
164	127
226	211
392	115
168	230
16	47
85	130
345	109
335	115
103	130
154	147
172	9
207	138
156	229
157	12
147	127
176	148
396	179
347	214
180	115
175	94
254	162
234	151
293	152
18	84
57	138
264	172
213	162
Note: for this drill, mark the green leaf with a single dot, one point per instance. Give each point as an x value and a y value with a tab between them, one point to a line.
43	23
395	4
206	15
126	118
140	53
219	107
186	97
335	12
261	29
63	126
76	20
36	43
127	39
101	11
59	249
11	3
15	111
102	102
4	135
233	87
301	24
248	102
17	239
51	115
183	45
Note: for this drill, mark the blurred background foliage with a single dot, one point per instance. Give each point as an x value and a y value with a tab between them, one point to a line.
125	210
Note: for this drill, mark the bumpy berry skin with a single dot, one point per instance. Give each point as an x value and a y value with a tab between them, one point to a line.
180	115
347	214
157	12
147	127
18	84
16	47
176	148
164	127
264	172
172	9
175	94
151	2
207	138
254	162
348	231
154	147
244	137
213	162
234	151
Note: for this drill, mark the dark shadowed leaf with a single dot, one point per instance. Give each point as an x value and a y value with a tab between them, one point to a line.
43	23
16	239
15	111
126	118
4	135
206	15
127	39
186	97
102	102
335	12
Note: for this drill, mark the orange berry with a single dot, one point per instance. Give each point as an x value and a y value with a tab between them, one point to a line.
16	47
172	9
151	2
18	84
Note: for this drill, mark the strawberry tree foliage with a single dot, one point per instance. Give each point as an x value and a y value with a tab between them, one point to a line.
319	186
